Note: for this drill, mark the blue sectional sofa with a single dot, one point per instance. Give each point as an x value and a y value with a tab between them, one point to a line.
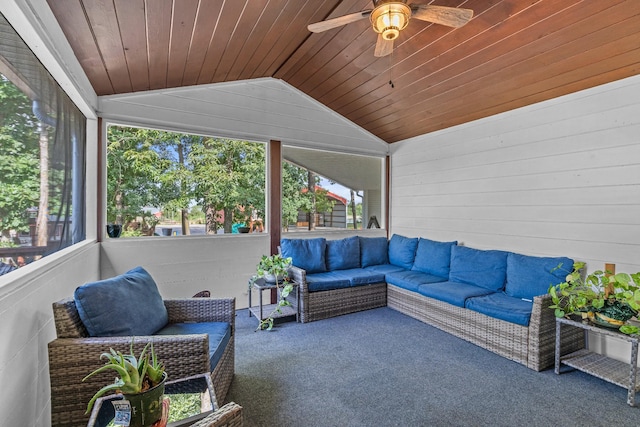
495	299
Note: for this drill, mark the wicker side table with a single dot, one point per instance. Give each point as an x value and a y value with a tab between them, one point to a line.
598	365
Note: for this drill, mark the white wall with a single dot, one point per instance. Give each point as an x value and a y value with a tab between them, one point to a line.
557	178
259	110
26	327
185	265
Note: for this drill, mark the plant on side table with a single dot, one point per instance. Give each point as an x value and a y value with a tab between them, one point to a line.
604	298
274	269
141	381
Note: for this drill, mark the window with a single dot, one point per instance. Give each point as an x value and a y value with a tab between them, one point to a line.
42	159
346	190
168	183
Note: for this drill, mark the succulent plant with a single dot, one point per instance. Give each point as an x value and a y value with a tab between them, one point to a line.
136	374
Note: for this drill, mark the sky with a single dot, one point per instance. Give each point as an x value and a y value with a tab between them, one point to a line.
337	189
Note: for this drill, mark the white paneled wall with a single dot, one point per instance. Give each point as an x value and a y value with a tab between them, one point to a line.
260	109
26	327
183	266
557	178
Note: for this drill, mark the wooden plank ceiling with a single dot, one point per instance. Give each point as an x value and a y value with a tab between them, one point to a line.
511	54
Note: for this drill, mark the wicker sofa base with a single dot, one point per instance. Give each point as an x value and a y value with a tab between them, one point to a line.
324	304
532	346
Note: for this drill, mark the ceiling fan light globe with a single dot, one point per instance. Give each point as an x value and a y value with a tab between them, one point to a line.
390	18
390	33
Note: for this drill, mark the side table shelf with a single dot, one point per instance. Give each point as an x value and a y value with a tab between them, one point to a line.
614	371
262	311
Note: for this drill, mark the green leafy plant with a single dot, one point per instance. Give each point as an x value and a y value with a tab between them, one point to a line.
601	293
136	374
275	267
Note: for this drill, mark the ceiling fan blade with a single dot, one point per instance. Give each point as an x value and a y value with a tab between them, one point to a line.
449	16
321	26
384	47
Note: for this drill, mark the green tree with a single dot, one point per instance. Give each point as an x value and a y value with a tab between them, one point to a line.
294	181
19	158
134	173
229	177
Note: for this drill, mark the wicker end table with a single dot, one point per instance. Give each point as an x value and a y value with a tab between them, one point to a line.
262	311
600	366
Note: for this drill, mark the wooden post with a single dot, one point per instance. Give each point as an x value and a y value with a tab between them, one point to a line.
609	270
275	201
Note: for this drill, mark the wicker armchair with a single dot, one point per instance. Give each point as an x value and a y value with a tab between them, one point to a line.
74	354
230	415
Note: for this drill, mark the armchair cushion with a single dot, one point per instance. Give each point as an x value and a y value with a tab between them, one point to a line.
307	254
128	304
219	335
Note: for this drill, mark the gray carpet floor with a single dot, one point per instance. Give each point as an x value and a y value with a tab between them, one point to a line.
382	368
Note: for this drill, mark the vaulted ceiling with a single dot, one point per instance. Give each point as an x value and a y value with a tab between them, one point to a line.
511	54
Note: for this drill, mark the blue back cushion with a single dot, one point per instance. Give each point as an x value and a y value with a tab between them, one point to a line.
343	254
307	254
528	276
433	257
402	251
128	304
373	251
487	269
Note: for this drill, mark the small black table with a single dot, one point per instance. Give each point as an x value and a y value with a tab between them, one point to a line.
262	311
103	411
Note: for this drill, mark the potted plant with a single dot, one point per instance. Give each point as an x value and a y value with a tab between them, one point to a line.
605	298
141	381
274	269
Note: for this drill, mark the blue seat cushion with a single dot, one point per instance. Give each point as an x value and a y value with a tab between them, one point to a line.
219	335
452	292
411	279
124	305
433	257
501	306
327	281
307	254
373	251
384	268
343	254
402	251
487	269
528	276
360	276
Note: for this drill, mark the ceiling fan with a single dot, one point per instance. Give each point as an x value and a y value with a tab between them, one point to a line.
389	17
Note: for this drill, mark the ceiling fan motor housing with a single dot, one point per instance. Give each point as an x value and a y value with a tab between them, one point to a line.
389	18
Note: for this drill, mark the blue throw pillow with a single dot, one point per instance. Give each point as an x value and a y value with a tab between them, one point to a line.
307	254
433	257
373	251
343	254
402	251
529	276
487	269
125	305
